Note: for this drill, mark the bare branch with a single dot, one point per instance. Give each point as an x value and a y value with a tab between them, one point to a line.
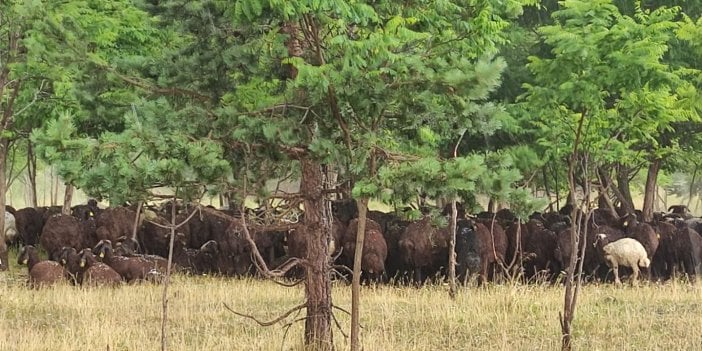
146	85
170	226
268	323
34	99
341	309
338	325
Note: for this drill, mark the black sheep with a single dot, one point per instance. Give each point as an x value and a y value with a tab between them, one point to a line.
467	251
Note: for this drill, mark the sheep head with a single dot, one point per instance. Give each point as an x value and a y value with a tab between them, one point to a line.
601	238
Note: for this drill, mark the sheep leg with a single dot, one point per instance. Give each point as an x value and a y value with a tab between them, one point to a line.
635	275
483	272
418	276
615	269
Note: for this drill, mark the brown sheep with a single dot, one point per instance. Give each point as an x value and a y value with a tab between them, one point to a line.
125	247
94	273
493	247
392	227
130	268
375	249
196	261
70	261
61	231
115	222
424	248
155	239
41	273
539	246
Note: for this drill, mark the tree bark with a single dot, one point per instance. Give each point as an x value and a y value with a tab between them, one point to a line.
452	251
318	332
624	193
692	187
650	189
67	199
32	174
603	196
356	283
4	264
571	285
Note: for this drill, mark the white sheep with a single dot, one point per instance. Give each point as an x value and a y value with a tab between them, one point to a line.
626	252
10	228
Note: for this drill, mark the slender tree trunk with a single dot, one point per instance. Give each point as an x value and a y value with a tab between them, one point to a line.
624	193
604	202
4	264
167	280
54	187
452	251
603	196
318	332
362	204
137	221
558	190
571	290
544	174
32	174
690	193
650	189
67	199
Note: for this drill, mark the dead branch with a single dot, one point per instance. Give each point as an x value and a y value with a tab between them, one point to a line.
268	323
341	309
170	226
338	325
287	328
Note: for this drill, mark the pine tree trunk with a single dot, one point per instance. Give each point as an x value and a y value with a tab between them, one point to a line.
650	190
67	199
4	264
318	332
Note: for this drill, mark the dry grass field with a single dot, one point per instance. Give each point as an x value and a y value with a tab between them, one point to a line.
498	317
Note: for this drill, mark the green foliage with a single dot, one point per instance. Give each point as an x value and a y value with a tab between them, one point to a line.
611	69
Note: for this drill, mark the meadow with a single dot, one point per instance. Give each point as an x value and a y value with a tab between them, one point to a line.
496	317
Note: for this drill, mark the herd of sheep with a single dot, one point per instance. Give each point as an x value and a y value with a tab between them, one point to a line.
95	246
